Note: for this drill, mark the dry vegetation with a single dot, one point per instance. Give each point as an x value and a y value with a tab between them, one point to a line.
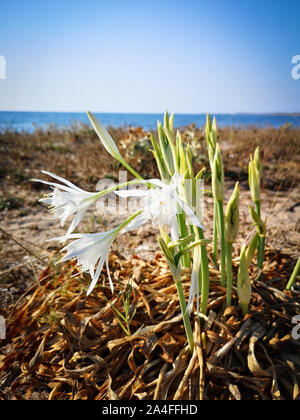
66	346
62	345
75	153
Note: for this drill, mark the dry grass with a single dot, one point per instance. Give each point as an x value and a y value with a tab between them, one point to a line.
76	154
63	345
280	153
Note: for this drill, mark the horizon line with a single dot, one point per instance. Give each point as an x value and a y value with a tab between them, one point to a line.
283	113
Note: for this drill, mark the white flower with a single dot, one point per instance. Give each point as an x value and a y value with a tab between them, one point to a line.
67	200
91	251
161	205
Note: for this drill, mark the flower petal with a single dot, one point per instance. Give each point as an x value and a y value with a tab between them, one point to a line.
131	193
52	184
189	212
97	274
65	181
137	222
77	219
109	277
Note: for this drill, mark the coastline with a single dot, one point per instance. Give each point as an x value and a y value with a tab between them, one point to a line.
29	120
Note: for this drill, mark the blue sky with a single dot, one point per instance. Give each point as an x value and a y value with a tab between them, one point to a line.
147	56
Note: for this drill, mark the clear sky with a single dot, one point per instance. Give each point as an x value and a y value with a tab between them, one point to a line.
147	56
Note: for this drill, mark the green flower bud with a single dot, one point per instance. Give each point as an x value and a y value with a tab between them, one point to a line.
244	284
172	148
165	149
174	268
232	216
166	250
208	127
182	241
200	174
211	149
166	120
183	163
218	176
258	162
211	138
180	155
164	174
155	144
109	143
214	131
105	138
189	159
255	171
171	124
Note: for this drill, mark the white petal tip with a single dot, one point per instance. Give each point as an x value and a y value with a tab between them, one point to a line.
90	291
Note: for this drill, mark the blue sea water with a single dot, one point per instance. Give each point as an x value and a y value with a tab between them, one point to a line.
29	120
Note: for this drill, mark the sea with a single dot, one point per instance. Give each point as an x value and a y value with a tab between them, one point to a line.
29	121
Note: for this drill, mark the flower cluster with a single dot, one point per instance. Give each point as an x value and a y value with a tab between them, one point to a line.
171	204
161	204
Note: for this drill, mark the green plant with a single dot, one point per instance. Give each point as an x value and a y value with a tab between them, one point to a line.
173	204
294	275
129	310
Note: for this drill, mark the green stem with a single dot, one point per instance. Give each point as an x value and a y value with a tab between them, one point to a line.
261	252
200	282
251	249
215	235
131	170
294	275
244	308
115	188
261	241
204	274
229	272
128	220
185	315
222	240
183	233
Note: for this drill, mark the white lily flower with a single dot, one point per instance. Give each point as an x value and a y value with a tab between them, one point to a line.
161	205
67	200
91	251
